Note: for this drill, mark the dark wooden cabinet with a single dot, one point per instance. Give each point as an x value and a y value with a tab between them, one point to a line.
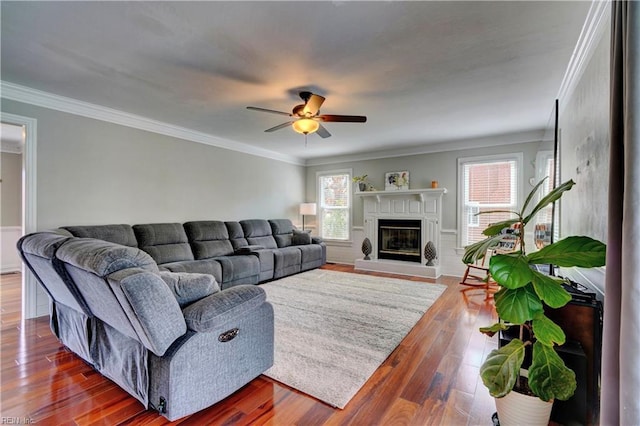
581	320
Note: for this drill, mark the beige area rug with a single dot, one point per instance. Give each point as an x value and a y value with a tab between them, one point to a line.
334	329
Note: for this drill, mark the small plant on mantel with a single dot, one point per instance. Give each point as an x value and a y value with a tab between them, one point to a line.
521	300
363	185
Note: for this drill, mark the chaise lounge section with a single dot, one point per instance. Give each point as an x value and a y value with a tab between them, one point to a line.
170	312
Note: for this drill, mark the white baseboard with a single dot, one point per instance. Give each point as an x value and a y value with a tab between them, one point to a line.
10	259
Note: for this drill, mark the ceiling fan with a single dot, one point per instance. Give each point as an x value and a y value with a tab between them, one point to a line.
306	117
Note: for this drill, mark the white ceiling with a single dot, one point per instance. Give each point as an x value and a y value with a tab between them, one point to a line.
422	72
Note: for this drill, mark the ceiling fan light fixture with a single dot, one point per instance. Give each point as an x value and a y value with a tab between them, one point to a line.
305	126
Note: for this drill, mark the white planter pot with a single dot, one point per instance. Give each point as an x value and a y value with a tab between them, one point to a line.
516	409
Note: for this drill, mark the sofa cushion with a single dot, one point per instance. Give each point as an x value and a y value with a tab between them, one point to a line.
239	270
281	226
119	234
208	239
165	242
225	306
38	251
148	304
202	266
258	232
102	257
236	235
301	238
282	230
188	288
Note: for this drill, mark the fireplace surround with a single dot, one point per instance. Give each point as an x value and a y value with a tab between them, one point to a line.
413	208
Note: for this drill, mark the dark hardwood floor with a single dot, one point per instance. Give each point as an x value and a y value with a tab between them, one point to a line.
430	379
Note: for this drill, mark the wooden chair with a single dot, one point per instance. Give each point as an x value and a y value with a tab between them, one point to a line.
477	275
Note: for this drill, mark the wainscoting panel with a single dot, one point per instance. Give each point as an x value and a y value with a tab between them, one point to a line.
414	207
385	206
10	260
450	261
430	206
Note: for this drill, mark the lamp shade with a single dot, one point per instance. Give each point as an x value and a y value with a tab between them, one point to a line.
305	126
308	209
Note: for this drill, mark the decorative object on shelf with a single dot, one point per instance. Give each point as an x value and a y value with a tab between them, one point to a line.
394	181
430	253
366	248
362	183
434	184
307	209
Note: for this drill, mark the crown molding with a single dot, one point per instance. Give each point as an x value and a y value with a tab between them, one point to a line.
458	145
595	24
39	98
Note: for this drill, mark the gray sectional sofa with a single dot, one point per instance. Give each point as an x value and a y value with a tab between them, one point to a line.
170	312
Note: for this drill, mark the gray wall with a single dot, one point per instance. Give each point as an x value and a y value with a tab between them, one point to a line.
11	174
424	168
94	172
584	148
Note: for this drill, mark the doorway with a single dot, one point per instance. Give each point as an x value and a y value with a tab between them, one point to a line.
11	148
24	129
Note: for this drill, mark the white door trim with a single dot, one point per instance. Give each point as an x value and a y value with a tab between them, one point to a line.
29	224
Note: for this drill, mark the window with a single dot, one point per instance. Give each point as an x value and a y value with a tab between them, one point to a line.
545	167
472	216
486	183
334	201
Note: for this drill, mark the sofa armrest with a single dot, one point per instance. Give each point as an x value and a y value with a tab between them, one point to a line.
189	287
210	312
317	240
249	249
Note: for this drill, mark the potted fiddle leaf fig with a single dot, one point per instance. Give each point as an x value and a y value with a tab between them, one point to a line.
520	303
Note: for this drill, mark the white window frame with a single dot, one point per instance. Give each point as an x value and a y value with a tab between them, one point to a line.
462	161
473	221
349	208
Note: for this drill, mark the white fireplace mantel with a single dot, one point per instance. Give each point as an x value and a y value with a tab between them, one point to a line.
419	193
423	204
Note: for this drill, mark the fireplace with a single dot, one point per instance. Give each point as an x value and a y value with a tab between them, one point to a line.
398	225
399	239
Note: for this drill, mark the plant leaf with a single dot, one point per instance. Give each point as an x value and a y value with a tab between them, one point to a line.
584	252
510	270
477	251
518	306
532	193
490	331
547	331
552	196
497	227
550	290
496	211
502	367
549	378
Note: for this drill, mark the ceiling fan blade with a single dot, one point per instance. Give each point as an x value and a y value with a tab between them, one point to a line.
269	110
323	132
342	118
279	126
313	105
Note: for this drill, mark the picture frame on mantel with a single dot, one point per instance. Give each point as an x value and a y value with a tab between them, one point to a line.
395	181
